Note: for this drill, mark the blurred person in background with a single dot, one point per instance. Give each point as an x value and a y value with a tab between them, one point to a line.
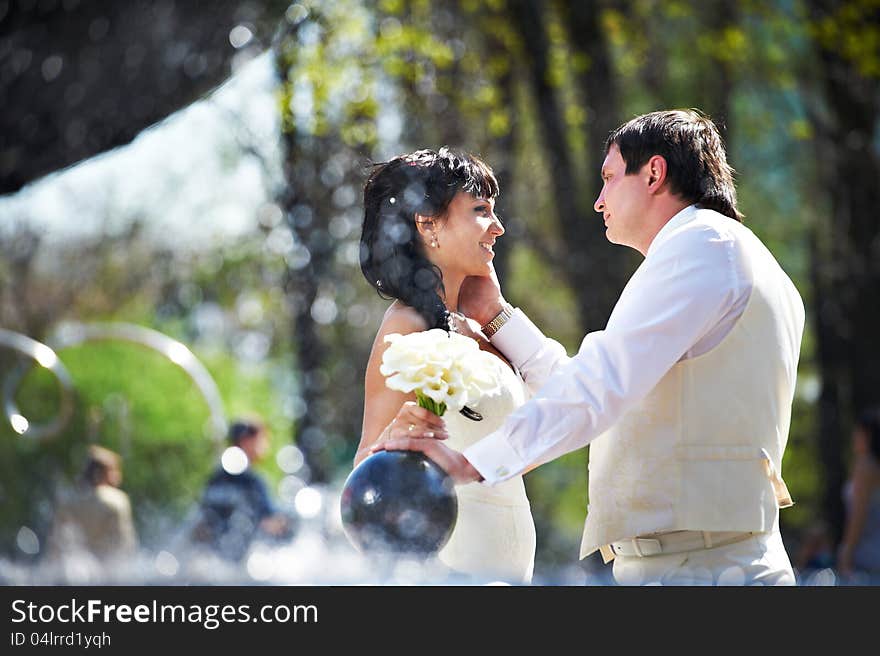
236	506
97	518
858	555
815	553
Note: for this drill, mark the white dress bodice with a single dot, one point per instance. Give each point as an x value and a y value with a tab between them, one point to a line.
494	535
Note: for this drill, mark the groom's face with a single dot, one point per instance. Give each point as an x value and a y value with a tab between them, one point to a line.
621	201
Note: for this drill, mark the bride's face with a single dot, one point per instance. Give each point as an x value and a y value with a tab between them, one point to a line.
465	237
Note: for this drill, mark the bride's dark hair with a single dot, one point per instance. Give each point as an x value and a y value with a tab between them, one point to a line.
392	254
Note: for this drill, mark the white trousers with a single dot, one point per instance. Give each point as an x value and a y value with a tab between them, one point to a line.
760	560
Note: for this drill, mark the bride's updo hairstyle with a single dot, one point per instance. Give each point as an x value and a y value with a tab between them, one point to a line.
392	253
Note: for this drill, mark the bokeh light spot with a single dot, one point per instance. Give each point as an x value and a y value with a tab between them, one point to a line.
234	461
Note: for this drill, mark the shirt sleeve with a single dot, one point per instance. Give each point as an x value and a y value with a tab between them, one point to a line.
533	354
679	294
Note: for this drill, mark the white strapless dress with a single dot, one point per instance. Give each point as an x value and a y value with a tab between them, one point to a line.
494	536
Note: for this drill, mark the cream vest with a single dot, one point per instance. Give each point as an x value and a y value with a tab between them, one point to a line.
703	450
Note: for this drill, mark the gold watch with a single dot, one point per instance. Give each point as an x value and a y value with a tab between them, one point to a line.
500	319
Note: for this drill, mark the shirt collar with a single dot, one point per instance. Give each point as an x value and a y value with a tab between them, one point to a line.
681	218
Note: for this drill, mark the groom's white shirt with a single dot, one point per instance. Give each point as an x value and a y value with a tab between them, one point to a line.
681	302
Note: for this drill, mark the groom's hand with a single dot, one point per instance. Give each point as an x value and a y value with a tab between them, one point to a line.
480	297
449	460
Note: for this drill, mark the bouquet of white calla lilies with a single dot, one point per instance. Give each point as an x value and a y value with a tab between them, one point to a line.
445	370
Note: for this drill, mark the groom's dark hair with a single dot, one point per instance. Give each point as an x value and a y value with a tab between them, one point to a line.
696	162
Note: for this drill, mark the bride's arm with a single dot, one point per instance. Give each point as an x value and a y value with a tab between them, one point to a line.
387	412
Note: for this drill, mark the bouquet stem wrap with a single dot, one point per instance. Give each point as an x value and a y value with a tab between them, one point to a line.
429	403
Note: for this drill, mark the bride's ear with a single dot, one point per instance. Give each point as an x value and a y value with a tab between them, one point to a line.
425	225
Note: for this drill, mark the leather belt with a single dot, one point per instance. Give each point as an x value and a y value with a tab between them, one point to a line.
676	542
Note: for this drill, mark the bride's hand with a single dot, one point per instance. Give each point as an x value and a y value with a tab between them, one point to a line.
451	461
480	297
414	421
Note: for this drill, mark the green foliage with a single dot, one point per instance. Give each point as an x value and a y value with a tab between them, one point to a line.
553	308
558	497
799	468
852	29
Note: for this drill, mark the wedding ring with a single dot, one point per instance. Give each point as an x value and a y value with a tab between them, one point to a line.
411	428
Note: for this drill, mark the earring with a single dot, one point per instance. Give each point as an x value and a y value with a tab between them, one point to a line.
434	243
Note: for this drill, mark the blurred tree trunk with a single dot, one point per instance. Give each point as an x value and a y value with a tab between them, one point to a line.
435	111
504	142
596	271
711	29
845	247
323	173
300	202
601	269
505	146
79	78
715	78
302	199
17	262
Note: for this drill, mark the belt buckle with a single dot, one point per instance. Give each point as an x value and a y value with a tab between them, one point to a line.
647	546
640	547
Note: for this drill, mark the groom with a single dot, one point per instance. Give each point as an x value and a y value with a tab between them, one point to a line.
685	397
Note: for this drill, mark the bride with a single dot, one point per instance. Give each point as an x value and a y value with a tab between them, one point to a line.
429	222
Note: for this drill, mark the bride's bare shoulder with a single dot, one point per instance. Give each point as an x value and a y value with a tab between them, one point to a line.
402	319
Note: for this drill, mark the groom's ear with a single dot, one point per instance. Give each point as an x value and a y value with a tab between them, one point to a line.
656	171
